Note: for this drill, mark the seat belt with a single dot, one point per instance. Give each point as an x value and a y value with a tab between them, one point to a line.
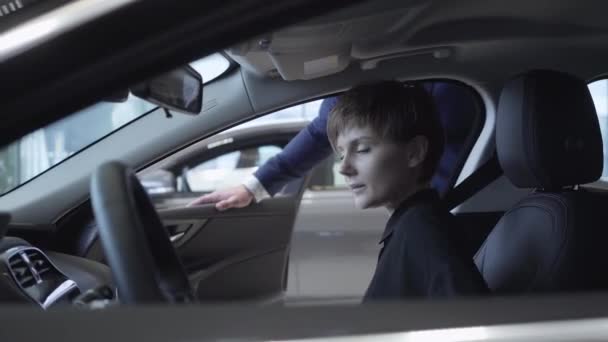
486	174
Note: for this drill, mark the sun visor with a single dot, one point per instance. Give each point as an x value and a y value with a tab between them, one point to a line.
299	59
309	64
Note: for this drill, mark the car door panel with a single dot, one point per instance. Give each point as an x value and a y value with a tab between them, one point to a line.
238	253
243	277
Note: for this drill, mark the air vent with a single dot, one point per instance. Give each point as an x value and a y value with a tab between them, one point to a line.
39	262
29	267
21	271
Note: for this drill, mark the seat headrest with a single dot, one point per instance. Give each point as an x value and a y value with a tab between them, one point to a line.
547	131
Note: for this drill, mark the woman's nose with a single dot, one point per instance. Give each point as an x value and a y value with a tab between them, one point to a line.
346	167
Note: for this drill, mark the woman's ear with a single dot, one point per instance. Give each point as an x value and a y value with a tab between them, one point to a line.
417	150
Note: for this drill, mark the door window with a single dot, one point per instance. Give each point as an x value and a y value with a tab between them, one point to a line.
599	93
228	169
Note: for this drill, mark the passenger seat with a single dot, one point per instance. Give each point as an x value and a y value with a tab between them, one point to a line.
555	239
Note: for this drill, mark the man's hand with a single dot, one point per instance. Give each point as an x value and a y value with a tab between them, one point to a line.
236	197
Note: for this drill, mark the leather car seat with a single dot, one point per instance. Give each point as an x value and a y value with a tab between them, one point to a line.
555	239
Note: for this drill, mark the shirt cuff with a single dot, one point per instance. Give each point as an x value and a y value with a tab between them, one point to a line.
256	188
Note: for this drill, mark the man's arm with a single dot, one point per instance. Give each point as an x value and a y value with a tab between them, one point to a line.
304	151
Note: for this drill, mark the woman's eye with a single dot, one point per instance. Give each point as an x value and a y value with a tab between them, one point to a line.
363	150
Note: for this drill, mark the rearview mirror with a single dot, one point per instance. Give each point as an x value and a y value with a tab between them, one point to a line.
180	90
158	182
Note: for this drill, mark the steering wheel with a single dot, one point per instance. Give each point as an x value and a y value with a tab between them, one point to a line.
144	264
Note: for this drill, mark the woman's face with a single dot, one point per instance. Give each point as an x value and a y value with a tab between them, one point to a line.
379	172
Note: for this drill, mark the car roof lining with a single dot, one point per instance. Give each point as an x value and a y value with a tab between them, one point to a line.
384	28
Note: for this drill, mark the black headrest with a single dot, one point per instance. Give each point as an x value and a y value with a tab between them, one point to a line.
547	131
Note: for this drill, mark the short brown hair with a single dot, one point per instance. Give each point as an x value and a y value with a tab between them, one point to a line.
394	111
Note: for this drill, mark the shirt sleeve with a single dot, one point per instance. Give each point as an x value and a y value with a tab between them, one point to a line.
256	188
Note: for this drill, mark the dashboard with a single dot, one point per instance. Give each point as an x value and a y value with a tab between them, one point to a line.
47	279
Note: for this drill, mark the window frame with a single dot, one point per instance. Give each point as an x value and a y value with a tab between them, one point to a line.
474	133
600	184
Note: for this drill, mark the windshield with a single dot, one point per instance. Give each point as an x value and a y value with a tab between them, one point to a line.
42	149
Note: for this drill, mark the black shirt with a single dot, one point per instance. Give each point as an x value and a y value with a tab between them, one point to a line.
422	255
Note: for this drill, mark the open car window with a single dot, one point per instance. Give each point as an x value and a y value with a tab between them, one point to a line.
229	169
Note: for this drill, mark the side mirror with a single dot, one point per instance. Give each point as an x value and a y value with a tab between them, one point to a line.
180	90
158	182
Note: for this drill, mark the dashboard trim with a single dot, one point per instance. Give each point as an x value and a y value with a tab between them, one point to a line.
61	290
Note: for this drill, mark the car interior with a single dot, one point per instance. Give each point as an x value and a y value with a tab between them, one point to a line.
527	188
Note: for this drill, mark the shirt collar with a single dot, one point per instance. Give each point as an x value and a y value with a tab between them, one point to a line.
425	195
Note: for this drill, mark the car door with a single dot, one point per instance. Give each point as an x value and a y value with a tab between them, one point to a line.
238	254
